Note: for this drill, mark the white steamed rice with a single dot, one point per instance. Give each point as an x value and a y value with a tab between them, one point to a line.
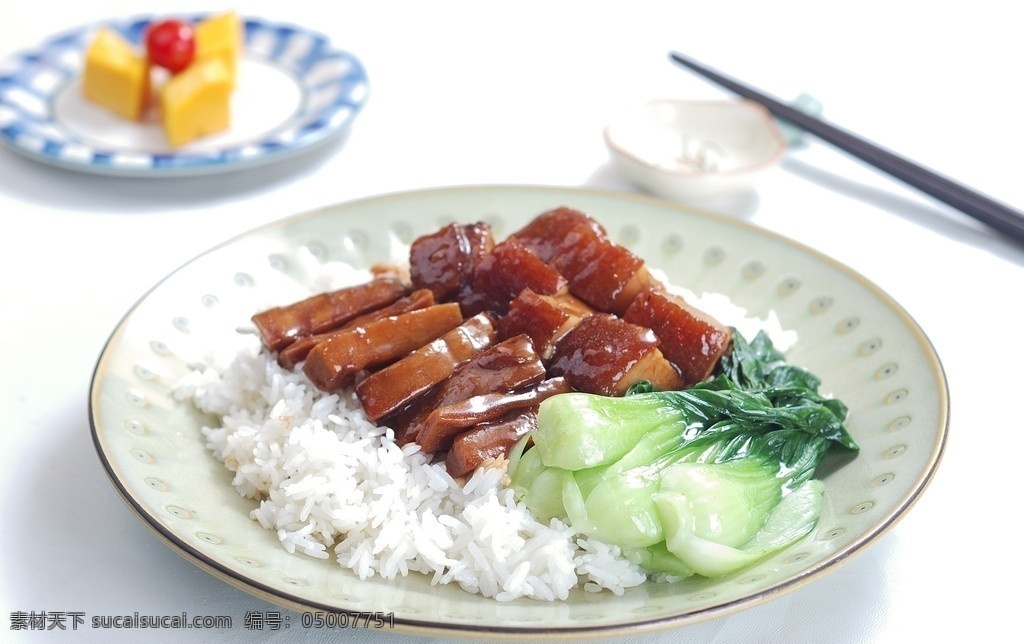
332	484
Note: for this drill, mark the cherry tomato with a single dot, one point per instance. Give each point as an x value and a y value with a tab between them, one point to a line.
171	44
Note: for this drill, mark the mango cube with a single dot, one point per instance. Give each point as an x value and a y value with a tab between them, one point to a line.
196	102
220	36
115	76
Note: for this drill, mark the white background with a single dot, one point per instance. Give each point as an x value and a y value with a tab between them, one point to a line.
518	93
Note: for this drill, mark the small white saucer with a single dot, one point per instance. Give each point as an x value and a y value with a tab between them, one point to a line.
682	149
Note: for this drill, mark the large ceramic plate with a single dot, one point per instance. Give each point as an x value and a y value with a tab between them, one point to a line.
294	91
868	350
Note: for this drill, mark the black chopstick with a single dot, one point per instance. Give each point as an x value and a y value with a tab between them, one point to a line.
999	216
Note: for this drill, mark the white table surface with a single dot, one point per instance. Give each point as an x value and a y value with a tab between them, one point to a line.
470	93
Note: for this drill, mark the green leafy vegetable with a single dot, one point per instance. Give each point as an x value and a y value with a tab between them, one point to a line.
705	480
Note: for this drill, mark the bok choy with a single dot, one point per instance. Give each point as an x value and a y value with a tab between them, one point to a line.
705	480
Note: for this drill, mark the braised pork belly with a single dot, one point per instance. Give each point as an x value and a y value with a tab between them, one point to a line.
606	355
691	339
458	356
545	318
444	261
503	273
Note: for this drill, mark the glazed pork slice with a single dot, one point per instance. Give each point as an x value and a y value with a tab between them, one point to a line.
545	232
334	363
488	441
460	416
385	391
280	326
510	365
604	354
443	261
290	356
500	275
691	340
600	272
545	318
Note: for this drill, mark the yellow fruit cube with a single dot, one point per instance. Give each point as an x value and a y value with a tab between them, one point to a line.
115	76
220	36
196	102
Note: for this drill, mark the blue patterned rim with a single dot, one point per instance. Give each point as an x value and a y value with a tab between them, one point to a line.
333	86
